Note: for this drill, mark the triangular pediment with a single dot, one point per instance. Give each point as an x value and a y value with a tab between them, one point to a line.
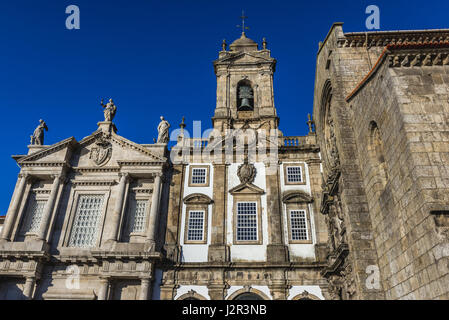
57	152
132	150
246	57
246	188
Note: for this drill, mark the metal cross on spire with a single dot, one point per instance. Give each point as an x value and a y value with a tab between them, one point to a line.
243	17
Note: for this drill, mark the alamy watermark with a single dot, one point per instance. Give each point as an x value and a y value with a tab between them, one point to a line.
73	280
373	20
73	20
373	280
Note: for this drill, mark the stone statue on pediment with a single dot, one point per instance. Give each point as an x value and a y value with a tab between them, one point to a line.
38	136
163	134
109	110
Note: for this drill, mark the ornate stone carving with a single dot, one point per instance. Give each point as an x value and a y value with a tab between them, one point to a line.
109	110
246	172
348	279
102	152
163	135
331	141
38	136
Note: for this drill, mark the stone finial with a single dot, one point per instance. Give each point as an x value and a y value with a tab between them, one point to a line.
310	123
264	43
183	125
38	135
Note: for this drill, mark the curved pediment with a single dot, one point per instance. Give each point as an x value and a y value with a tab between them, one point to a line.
296	197
197	198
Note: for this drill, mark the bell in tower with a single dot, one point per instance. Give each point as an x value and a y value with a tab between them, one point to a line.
245	97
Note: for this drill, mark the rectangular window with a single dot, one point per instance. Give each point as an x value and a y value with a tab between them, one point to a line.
247	221
294	175
298	225
34	213
87	218
199	175
137	215
195	231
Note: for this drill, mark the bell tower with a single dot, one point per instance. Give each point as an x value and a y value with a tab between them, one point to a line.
245	86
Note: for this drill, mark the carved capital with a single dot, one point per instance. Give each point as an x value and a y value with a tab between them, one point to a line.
124	175
25	176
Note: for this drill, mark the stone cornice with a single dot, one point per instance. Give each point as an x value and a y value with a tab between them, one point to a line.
44	164
138	163
93	183
408	55
95	169
384	38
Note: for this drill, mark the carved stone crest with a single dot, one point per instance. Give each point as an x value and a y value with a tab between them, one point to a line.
101	153
247	173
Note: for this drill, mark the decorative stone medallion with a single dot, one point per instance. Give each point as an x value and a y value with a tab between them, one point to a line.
247	173
102	152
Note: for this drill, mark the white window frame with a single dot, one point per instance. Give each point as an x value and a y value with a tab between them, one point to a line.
238	228
307	228
301	180
203	227
193	168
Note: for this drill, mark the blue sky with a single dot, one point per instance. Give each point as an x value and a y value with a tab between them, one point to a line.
154	57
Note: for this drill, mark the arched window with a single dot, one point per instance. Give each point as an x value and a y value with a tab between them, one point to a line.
245	96
377	155
248	296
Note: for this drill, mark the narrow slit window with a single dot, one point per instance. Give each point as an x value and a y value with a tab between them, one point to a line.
195	231
298	222
247	221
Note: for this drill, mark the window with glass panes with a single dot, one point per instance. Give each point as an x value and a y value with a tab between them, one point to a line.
195	228
247	221
294	174
34	213
298	225
199	175
86	222
137	215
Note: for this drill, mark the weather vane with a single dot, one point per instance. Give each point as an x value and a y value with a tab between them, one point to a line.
243	17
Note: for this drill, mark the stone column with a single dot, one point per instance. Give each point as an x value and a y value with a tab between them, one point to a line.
174	212
144	288
217	248
12	212
104	286
279	290
217	291
276	250
49	206
116	214
29	287
154	212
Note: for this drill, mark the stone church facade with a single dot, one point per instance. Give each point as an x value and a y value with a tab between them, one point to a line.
357	209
